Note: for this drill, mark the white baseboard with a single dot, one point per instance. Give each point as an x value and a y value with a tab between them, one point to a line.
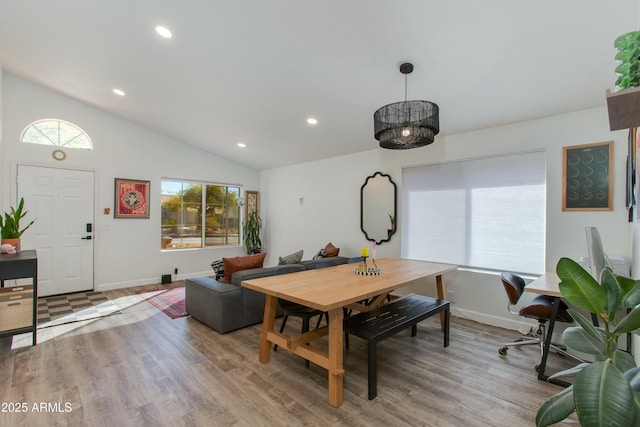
488	319
148	281
502	322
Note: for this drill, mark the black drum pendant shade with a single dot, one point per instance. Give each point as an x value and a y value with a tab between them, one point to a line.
408	124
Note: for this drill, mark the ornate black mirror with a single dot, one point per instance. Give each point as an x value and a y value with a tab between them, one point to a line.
378	208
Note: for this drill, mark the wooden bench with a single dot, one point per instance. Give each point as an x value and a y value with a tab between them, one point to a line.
389	319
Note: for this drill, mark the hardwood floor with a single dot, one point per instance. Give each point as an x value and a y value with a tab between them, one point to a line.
141	368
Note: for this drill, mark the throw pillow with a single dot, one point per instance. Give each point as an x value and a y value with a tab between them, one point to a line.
231	265
331	250
294	258
320	254
218	268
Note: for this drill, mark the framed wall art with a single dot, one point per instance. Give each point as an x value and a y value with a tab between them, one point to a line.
587	181
252	203
131	198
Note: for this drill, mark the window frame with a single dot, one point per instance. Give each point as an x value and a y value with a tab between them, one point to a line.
57	143
219	213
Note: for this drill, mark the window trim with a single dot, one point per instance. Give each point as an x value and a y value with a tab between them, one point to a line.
57	143
203	236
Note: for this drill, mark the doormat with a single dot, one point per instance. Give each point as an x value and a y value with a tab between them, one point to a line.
61	309
168	299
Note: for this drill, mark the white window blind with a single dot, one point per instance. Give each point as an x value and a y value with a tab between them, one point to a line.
484	213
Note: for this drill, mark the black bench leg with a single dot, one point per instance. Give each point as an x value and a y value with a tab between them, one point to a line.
414	329
447	321
372	370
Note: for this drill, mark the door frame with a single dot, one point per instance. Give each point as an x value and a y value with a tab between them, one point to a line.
13	184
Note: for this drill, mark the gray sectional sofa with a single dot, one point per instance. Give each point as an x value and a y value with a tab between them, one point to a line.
228	306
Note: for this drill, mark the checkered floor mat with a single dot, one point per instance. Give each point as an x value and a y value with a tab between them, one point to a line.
61	309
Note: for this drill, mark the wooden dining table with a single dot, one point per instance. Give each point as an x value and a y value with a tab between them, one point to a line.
331	289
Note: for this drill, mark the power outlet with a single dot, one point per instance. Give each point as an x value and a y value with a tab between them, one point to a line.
451	296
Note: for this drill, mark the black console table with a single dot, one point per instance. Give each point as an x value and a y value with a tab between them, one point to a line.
19	304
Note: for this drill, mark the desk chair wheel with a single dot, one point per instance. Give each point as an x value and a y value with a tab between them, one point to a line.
503	351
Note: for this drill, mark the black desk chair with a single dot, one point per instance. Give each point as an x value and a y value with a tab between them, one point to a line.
538	308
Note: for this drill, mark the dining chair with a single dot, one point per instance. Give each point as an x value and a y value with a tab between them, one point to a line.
303	312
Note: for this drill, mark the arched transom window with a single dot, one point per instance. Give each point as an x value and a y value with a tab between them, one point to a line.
57	133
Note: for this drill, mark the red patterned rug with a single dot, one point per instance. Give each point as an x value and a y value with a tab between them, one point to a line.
168	299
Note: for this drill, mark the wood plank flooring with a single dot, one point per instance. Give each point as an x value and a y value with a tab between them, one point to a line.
141	368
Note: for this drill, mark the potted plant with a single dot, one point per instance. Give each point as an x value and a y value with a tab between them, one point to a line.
10	231
605	392
251	233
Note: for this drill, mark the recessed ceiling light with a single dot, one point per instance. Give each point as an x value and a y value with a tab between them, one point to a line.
312	121
164	32
119	92
241	144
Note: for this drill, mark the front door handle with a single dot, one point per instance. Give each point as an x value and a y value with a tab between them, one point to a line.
87	238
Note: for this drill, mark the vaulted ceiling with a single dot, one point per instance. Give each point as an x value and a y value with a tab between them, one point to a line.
253	71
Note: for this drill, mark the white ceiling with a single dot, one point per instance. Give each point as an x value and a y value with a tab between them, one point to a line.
254	70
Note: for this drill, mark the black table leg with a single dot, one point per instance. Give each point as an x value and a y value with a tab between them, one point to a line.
547	346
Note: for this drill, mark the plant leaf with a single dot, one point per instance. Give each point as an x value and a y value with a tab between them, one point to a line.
556	408
633	376
586	324
578	340
623	361
629	323
579	287
630	292
612	291
571	372
603	396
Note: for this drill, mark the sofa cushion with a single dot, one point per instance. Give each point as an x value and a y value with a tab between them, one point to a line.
231	265
209	301
256	273
320	254
331	250
294	258
312	264
218	268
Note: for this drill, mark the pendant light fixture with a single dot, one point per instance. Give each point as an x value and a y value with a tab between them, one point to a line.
408	124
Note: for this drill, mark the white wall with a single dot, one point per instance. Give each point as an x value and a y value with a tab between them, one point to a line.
127	251
331	190
329	212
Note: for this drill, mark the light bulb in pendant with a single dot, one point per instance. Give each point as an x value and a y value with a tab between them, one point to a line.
406	132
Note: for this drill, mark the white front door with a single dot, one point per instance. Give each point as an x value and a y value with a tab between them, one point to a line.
62	203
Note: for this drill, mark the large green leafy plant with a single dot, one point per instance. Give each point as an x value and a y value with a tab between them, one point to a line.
251	233
10	225
628	46
607	391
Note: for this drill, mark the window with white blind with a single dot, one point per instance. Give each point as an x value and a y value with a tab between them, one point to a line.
486	213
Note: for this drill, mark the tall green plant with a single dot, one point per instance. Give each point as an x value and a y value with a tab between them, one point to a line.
10	225
607	391
251	232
